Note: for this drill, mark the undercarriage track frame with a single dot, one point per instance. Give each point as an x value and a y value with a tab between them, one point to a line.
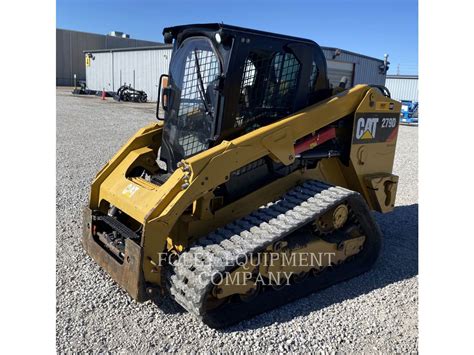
223	248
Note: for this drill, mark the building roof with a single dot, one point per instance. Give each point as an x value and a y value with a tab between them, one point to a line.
128	49
352	53
107	35
402	76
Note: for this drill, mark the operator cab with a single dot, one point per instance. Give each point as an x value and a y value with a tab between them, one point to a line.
225	81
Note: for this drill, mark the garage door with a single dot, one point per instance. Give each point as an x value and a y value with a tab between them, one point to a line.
336	70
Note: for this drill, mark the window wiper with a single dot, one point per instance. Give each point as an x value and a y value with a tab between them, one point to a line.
201	85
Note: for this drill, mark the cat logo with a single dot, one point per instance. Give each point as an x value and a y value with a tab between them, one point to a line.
366	128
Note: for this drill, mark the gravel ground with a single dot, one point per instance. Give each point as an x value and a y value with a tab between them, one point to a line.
377	311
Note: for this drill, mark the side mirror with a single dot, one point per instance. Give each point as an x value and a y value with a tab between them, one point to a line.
163	97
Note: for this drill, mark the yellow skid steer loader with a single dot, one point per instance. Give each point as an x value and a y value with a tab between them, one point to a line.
254	187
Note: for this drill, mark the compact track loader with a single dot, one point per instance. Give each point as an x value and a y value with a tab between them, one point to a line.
256	184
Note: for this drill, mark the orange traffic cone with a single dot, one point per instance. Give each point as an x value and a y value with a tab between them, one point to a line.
103	94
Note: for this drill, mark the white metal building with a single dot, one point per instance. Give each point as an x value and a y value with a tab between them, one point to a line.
71	44
403	87
142	67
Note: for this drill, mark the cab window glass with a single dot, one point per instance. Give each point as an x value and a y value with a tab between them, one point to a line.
268	88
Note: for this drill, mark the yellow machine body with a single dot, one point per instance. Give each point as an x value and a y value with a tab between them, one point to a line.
184	208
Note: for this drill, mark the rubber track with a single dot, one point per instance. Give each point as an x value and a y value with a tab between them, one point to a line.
220	251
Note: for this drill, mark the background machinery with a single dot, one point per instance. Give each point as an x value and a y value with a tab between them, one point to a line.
127	93
409	112
256	164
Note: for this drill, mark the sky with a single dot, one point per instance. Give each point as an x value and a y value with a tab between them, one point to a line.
370	27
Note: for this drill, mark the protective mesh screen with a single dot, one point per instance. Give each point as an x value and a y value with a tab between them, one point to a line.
268	88
201	69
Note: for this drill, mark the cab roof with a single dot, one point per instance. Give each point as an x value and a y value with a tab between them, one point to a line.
213	27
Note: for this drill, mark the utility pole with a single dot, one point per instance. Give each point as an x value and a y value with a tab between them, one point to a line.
398	69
